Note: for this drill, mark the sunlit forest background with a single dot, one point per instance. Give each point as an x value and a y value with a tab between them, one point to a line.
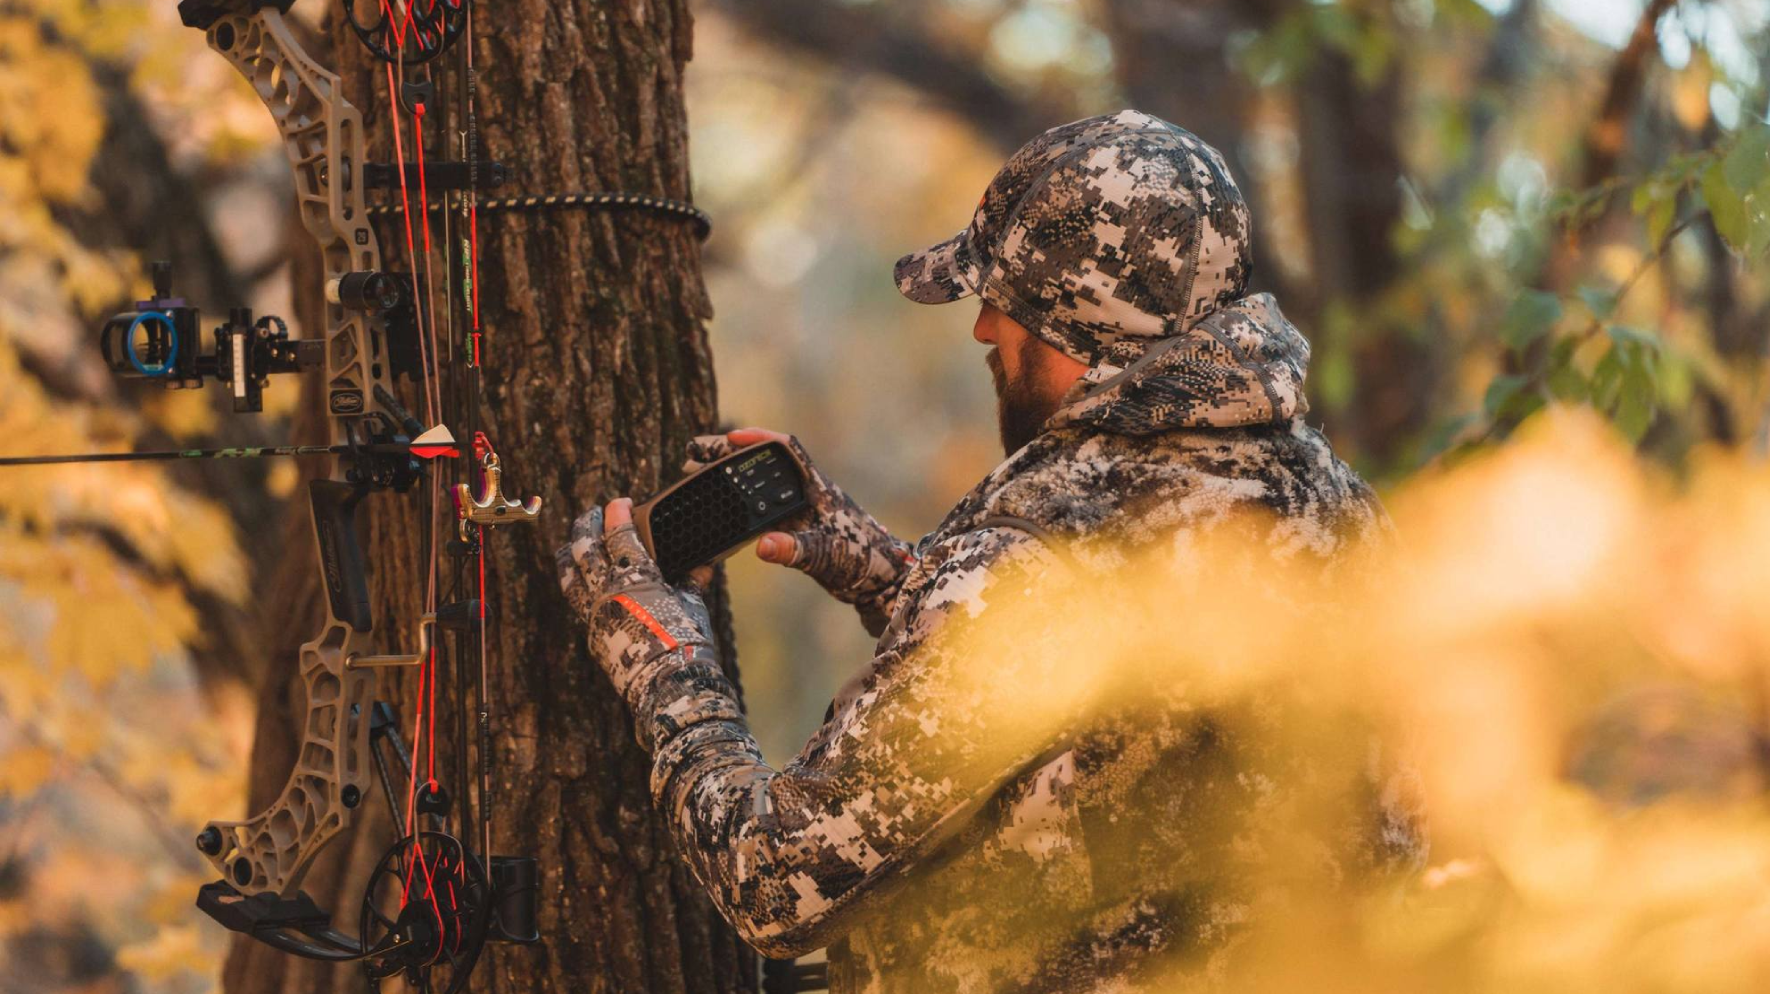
1527	239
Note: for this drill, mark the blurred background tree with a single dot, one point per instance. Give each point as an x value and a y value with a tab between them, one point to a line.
1471	208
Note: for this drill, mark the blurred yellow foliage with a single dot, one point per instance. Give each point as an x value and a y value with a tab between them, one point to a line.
174	948
171	529
26	769
1586	836
50	118
1690	92
101	567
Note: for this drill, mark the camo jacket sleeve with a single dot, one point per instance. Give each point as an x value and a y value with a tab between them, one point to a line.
852	556
793	857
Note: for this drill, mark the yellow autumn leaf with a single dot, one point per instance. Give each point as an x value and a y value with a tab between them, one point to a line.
24	769
172	950
1690	92
27	689
197	792
143	616
83	740
170	900
180	413
49	110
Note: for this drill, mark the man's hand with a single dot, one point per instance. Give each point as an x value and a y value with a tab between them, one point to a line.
641	628
834	542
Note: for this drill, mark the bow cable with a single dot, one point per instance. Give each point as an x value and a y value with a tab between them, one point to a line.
427	344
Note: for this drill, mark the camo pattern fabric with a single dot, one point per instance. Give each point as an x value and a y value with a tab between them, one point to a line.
654	641
1117	864
845	549
1121	227
1241	365
935	838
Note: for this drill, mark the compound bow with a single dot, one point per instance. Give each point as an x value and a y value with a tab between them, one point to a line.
432	901
437	895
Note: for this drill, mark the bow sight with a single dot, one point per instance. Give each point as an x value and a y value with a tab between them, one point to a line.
162	340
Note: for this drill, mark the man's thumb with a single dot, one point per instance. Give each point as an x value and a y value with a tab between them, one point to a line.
776	547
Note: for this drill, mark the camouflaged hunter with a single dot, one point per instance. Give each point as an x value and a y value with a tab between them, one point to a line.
926	853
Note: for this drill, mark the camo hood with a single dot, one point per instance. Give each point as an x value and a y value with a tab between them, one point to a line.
1241	366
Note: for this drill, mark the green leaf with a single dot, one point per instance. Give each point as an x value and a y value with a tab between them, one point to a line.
1644	197
1525	404
1659	219
1676	382
1599	302
1531	315
1760	214
1637	398
1510	399
1748	163
1607	378
1727	207
1500	393
1634	338
1440	437
1564	380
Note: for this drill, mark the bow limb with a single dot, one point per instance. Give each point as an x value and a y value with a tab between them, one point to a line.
323	138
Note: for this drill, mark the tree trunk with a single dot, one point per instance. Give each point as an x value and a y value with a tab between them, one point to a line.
1172	60
1352	170
596	371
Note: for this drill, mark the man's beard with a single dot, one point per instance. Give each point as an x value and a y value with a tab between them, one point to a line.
1020	410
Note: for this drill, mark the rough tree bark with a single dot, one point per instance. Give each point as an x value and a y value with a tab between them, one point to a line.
597	371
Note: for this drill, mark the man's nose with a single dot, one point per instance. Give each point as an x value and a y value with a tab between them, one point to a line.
982	331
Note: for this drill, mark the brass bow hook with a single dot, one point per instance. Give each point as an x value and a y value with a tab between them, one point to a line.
490	507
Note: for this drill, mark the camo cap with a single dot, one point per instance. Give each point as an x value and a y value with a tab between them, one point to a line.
1103	234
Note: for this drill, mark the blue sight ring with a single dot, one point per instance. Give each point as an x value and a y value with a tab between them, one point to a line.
165	365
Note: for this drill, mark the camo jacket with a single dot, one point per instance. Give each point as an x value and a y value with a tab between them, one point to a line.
934	847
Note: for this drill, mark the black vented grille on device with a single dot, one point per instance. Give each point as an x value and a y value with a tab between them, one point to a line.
724	505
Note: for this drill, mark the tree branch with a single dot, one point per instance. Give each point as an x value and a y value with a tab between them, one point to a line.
1606	137
863	37
1607	134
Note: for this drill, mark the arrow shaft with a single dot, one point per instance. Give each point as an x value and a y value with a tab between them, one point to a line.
244	452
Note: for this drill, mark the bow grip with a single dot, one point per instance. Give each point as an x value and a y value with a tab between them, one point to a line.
341	556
